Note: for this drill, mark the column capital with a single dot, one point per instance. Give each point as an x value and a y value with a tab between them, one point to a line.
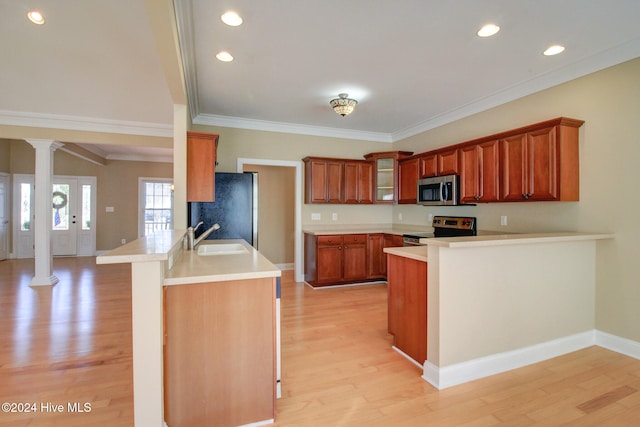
44	143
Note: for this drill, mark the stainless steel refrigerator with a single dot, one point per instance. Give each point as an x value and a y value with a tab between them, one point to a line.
235	208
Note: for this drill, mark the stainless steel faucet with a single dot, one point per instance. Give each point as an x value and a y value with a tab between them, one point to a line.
192	241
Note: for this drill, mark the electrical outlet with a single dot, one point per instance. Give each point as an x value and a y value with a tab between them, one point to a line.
334	216
503	220
316	217
123	241
430	217
400	216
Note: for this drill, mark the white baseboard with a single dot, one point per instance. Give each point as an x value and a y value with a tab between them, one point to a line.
618	344
286	266
470	370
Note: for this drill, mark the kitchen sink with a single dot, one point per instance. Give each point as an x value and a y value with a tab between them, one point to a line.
222	249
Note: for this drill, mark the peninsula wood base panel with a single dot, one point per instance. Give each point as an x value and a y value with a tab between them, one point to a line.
220	353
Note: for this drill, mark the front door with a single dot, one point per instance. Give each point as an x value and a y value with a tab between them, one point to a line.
64	228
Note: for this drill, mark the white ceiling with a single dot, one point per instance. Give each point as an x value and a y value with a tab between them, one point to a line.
412	64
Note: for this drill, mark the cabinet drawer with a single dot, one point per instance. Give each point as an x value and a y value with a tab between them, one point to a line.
329	240
355	238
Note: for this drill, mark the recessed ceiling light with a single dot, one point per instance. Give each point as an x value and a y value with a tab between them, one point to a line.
553	50
35	17
224	56
231	18
488	30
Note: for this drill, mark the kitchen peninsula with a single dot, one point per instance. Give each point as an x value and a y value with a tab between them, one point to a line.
191	313
499	302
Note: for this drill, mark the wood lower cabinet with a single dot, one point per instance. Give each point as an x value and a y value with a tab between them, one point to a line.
201	166
407	305
479	173
346	258
220	354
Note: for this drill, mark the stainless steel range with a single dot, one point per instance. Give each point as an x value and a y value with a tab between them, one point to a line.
444	226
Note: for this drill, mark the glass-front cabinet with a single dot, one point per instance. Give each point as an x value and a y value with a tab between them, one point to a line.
386	174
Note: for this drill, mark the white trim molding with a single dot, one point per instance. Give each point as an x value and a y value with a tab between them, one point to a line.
618	344
482	367
241	161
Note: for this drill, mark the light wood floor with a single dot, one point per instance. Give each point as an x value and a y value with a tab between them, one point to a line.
72	343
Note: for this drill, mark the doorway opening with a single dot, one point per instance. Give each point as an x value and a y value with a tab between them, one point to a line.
297	203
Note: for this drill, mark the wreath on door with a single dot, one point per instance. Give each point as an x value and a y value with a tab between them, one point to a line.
59	202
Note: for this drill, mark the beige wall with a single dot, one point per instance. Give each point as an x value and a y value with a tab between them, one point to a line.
4	156
609	103
236	143
117	186
276	212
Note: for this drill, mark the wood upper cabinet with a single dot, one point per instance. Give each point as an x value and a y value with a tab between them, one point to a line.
324	180
201	166
448	162
541	164
408	180
428	165
358	182
479	172
386	174
441	163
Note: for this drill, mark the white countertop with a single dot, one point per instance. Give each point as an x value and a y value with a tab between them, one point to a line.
419	253
513	239
193	268
155	247
329	229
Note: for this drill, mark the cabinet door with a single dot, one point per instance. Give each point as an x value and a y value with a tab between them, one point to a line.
428	166
316	181
355	257
530	166
201	165
469	174
408	181
448	162
514	165
542	165
479	178
365	182
329	263
335	181
358	182
376	256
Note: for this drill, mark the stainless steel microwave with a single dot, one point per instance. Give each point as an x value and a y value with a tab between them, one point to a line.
439	190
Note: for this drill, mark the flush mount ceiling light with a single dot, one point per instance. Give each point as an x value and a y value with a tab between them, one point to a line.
231	18
343	105
35	17
224	56
553	50
488	30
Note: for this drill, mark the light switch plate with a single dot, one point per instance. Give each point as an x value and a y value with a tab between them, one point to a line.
315	217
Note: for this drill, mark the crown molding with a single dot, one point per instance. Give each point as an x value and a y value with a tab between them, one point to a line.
79	123
263	125
601	60
184	22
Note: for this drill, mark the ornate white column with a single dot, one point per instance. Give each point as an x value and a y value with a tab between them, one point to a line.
43	211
